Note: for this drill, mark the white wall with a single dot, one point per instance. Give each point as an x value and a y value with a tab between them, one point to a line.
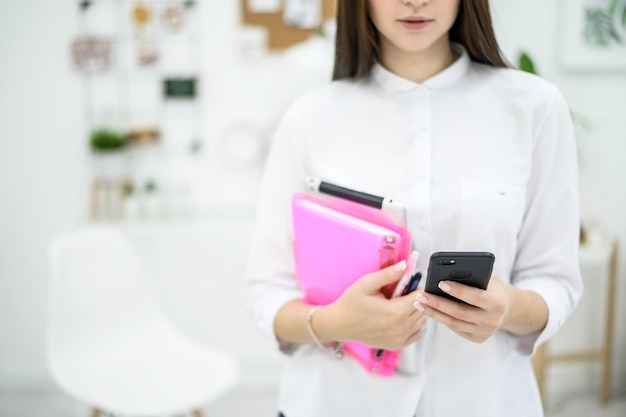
43	166
535	26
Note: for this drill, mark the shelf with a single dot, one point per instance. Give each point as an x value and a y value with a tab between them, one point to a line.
131	94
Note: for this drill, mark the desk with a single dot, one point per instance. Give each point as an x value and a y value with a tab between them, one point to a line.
591	256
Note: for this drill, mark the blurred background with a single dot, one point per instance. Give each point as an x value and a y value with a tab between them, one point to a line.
156	116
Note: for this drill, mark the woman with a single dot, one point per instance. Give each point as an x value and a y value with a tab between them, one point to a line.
424	109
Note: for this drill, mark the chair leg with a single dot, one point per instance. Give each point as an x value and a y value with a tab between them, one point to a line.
95	412
196	413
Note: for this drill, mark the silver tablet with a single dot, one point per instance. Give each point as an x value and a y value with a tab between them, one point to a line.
395	209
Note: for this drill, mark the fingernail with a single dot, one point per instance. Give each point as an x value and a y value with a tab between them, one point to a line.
418	306
421	298
400	266
444	287
414	254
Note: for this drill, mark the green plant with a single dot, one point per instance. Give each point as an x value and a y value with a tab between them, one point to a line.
525	63
603	23
107	140
617	9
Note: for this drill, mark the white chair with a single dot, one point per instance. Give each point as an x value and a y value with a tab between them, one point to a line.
110	346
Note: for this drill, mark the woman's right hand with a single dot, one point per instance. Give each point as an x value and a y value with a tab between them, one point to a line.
364	314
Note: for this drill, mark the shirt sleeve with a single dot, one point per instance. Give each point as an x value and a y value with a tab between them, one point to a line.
547	256
270	272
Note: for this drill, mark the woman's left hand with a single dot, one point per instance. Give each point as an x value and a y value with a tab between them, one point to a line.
487	312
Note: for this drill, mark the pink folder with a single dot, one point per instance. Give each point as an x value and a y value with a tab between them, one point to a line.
336	242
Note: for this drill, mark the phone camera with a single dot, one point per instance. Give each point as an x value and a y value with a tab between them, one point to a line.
446	262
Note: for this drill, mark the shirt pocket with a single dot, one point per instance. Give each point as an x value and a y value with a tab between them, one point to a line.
490	216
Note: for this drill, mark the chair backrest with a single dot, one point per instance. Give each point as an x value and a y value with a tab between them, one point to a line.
99	293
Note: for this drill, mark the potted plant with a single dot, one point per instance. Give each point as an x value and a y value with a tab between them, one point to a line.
107	140
110	159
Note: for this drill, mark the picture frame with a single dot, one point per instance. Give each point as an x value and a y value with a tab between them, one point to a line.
593	35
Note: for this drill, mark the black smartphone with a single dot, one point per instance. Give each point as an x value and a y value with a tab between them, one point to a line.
468	268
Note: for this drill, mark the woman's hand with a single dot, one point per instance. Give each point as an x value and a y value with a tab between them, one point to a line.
364	314
488	310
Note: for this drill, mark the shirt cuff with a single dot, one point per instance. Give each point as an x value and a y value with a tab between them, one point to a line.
264	306
560	304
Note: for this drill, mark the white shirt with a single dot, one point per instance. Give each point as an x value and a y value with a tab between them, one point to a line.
485	160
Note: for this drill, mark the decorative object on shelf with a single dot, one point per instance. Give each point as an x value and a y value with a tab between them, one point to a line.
147	54
151	201
143	136
110	165
594	35
92	54
180	88
174	17
131	201
110	161
105	140
303	14
141	16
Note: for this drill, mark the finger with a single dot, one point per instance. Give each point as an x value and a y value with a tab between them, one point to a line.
412	261
472	337
414	337
447	310
416	314
374	282
407	301
453	323
471	295
456	309
419	323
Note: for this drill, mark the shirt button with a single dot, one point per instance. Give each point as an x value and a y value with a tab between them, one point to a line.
422	226
422	129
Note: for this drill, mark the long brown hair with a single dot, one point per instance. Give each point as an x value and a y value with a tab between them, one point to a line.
357	44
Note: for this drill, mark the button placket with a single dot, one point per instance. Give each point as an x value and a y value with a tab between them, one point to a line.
422	168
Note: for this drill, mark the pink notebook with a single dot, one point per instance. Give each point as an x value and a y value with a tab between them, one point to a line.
336	242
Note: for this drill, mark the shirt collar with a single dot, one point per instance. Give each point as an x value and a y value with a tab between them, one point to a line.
448	76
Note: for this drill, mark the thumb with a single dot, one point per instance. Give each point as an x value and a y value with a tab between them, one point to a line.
375	281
